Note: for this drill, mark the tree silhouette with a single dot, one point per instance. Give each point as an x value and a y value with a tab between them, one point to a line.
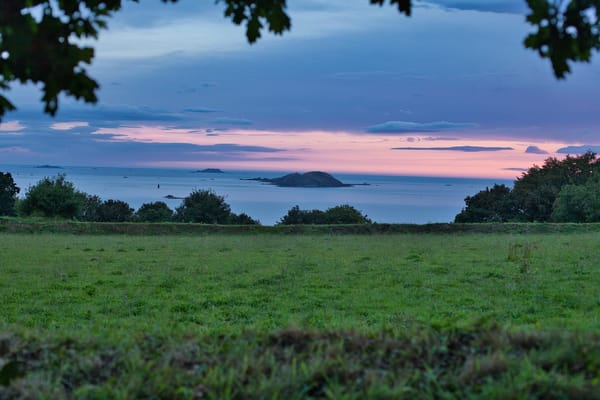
41	40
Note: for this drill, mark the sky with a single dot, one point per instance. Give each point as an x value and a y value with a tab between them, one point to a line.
355	88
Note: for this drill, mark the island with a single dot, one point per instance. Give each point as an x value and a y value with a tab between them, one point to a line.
210	171
314	179
48	166
170	196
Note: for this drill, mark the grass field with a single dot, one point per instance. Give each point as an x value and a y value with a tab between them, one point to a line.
300	316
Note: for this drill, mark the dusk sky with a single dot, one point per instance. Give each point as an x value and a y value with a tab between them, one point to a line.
450	91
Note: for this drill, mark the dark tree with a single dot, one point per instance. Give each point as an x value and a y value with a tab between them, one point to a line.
535	194
536	190
489	205
42	41
53	197
204	206
8	194
157	211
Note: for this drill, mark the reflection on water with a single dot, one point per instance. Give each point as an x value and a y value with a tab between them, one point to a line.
387	199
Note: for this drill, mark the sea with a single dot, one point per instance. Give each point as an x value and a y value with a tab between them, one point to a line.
383	198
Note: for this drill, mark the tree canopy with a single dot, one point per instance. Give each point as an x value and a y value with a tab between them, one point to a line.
559	190
40	40
8	194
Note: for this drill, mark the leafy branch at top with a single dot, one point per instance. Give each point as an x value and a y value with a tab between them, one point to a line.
40	40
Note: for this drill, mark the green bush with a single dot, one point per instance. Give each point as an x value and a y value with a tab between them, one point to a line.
242	219
204	206
489	205
8	194
53	197
114	211
578	203
91	205
344	214
296	216
537	189
552	191
157	211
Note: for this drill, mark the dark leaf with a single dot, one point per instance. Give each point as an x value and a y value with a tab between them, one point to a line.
11	371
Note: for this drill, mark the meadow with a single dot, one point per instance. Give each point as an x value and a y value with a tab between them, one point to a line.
313	315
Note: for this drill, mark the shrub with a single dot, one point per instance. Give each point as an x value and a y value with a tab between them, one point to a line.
157	211
242	219
204	206
578	203
91	206
8	194
53	197
296	216
114	211
344	214
536	190
489	205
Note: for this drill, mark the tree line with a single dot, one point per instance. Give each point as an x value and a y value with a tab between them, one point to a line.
55	197
565	190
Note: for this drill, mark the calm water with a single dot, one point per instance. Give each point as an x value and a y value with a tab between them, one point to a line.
393	199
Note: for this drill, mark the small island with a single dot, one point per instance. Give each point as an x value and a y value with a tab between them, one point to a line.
48	166
209	171
314	179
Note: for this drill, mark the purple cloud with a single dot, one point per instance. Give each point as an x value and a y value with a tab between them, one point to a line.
535	150
467	149
401	127
579	149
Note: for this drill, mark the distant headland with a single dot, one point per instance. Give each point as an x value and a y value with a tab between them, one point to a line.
316	179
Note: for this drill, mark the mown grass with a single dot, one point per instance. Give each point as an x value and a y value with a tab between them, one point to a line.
299	316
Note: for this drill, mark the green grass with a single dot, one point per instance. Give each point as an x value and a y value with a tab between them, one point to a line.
298	316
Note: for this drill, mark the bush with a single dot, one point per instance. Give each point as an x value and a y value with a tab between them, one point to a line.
489	205
157	211
204	206
537	189
91	206
344	214
578	203
534	196
53	197
296	216
114	211
8	194
242	219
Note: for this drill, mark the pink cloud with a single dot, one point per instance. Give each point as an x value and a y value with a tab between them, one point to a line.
66	126
11	126
339	151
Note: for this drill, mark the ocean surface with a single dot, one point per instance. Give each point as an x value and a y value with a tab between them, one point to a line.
386	199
